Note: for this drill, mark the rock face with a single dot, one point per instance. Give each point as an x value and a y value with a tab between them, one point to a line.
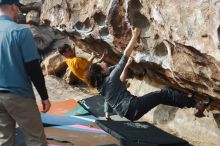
179	41
179	44
53	64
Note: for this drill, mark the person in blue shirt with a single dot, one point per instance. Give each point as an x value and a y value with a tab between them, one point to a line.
110	85
19	68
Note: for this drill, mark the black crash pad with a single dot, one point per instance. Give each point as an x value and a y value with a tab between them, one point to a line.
139	134
94	105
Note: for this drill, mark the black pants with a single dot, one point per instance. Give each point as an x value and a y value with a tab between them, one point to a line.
141	105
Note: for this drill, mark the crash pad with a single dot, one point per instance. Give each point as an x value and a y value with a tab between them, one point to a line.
94	105
55	120
139	134
20	141
65	137
19	137
67	107
81	128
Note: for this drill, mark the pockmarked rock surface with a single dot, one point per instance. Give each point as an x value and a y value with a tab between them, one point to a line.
179	47
179	43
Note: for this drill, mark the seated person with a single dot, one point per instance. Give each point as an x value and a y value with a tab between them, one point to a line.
110	85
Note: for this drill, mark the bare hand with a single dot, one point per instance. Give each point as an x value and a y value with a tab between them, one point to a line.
135	31
46	105
130	60
93	54
103	56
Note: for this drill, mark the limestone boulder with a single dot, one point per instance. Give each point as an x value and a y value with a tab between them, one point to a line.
179	46
179	43
53	64
33	17
43	36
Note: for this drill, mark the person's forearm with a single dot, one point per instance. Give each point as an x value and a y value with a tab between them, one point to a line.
34	71
91	58
128	50
124	73
100	60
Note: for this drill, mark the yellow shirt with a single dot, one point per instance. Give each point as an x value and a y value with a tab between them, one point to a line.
78	66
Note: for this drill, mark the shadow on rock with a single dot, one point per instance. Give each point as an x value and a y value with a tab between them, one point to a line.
217	119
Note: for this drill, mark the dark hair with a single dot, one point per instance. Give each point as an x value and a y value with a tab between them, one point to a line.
94	75
63	48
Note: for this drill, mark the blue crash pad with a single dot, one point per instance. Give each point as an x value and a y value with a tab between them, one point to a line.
54	120
19	138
